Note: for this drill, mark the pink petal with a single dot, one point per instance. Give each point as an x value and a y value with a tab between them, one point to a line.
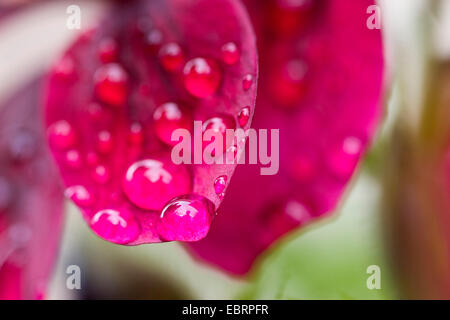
320	84
31	200
117	94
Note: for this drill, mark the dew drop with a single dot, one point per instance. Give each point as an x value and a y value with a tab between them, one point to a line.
115	226
61	135
169	117
219	124
344	156
244	116
105	142
111	84
92	158
73	159
107	51
153	41
136	134
219	184
171	56
202	77
79	195
247	82
64	68
289	85
101	174
230	53
149	184
186	218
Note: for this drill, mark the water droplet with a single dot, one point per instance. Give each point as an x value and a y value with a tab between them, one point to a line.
22	146
136	134
111	84
169	117
107	51
230	53
247	82
149	184
105	142
202	77
115	226
244	116
64	68
101	174
219	184
344	155
289	17
6	194
220	124
153	40
186	218
79	195
171	56
73	159
61	135
289	85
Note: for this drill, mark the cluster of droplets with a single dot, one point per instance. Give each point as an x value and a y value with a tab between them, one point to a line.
151	183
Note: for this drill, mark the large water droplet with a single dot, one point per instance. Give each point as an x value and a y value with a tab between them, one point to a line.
169	117
115	226
202	77
149	184
186	218
61	135
111	84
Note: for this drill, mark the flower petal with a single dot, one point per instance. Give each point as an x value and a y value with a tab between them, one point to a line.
320	85
116	97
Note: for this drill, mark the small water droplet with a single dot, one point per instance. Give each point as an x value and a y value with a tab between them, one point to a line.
64	68
101	174
247	82
153	40
289	85
219	184
111	84
61	135
91	158
202	77
107	50
171	56
219	124
79	195
136	134
73	159
105	142
186	218
230	53
244	116
149	184
344	155
169	117
118	226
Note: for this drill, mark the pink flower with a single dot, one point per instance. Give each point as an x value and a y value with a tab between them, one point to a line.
116	96
31	201
320	85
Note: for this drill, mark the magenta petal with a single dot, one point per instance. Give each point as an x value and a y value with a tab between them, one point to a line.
31	199
118	93
320	84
